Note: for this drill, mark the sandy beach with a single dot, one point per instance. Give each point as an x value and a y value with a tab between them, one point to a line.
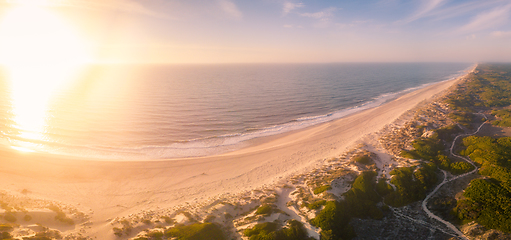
106	190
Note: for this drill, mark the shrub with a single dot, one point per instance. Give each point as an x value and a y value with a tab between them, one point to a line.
272	231
409	190
321	189
209	218
383	188
444	162
155	235
261	229
316	204
6	228
27	218
197	231
488	203
168	219
333	221
446	133
9	217
61	216
461	167
265	209
363	159
505	116
359	201
5	235
462	118
117	231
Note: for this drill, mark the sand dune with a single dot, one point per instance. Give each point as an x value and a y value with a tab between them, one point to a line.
111	189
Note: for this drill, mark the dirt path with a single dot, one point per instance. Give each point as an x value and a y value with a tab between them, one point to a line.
425	201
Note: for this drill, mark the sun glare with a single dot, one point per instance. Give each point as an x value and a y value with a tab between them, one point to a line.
41	53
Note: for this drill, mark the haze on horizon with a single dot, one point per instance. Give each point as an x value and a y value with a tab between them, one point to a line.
236	31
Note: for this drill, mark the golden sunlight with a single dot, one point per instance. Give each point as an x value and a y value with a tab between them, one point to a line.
41	53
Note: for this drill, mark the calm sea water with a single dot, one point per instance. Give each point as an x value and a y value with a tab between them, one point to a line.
167	111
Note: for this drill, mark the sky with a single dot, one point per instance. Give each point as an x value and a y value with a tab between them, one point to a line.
283	31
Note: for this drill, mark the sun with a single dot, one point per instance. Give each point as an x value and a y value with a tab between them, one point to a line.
40	51
31	34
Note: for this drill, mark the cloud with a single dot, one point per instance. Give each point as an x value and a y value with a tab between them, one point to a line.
501	34
290	6
323	17
489	19
230	8
326	13
426	7
463	9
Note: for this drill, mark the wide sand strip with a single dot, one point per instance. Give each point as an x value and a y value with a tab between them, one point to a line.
114	189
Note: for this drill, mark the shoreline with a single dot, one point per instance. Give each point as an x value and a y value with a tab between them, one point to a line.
217	144
110	189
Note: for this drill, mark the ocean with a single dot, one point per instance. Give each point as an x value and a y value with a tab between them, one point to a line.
140	112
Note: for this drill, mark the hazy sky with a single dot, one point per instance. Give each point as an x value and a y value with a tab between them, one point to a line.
220	31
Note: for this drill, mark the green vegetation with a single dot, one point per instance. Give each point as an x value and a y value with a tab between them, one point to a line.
168	220
126	228
265	209
424	148
504	115
5	236
209	218
461	167
411	184
464	118
333	221
153	235
360	201
5	228
432	149
45	235
316	204
321	189
444	162
272	231
493	154
27	218
9	217
363	158
61	216
488	201
489	88
383	188
197	231
447	133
